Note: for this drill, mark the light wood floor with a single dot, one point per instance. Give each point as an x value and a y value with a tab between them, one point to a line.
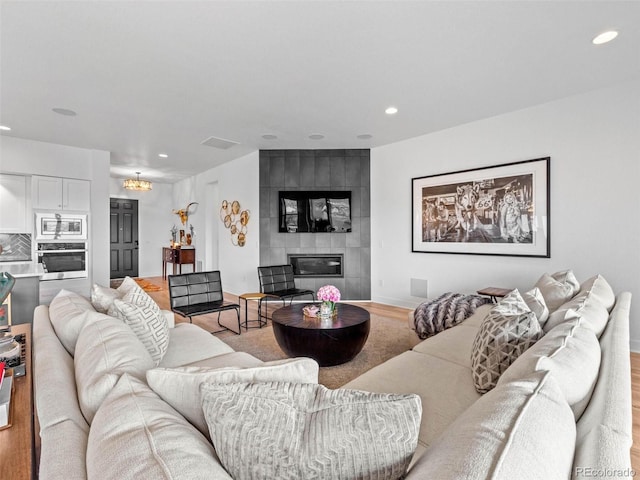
162	298
635	394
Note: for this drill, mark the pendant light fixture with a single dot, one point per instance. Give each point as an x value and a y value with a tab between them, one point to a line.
137	184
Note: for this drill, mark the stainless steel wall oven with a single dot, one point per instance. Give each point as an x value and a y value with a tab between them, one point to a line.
59	260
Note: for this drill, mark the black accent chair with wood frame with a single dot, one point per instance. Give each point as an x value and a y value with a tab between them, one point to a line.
199	293
278	282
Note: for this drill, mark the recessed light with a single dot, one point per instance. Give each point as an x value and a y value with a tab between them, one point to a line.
316	136
391	110
605	37
5	128
268	136
65	111
163	155
365	136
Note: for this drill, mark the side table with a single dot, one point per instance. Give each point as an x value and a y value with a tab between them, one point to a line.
17	452
178	256
494	292
258	297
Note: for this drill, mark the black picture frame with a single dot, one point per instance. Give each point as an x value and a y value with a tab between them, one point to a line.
498	210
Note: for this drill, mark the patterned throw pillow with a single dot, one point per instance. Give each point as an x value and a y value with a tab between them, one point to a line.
142	314
302	430
507	332
180	386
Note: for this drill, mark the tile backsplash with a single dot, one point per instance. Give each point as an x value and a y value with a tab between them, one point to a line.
15	247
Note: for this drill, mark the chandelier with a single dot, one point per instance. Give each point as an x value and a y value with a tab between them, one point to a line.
137	184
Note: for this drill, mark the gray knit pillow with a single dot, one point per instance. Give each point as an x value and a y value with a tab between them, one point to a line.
507	332
291	431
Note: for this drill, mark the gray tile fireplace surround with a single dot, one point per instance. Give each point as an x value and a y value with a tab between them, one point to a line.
319	170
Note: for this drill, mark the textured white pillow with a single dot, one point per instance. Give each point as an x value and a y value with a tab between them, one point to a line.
535	301
598	287
520	430
567	277
304	430
505	334
128	285
105	350
68	313
180	387
567	349
555	293
593	303
135	436
142	314
102	297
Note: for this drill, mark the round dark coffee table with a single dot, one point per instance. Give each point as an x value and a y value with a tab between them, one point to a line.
329	343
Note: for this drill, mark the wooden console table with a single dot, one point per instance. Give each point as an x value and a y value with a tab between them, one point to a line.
494	292
178	256
17	455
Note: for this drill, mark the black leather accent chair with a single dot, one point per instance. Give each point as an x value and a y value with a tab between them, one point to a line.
199	293
277	282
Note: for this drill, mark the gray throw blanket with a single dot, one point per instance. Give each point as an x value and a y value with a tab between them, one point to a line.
444	312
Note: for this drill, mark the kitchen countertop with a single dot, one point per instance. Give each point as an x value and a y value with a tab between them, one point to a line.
21	270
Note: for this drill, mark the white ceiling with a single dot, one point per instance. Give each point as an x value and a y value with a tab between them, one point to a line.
153	77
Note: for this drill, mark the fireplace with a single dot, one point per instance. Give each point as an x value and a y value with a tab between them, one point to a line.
316	264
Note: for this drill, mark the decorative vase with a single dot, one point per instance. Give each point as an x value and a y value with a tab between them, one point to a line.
326	321
326	309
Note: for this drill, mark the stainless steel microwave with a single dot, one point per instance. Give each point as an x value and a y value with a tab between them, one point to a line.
61	226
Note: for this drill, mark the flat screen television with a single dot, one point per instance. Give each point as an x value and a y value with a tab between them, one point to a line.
314	211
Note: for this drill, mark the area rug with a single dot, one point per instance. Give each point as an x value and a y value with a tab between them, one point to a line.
387	338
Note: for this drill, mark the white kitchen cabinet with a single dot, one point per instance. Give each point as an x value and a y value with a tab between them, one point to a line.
55	193
13	204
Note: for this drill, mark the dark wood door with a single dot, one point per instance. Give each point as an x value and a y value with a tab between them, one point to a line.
124	238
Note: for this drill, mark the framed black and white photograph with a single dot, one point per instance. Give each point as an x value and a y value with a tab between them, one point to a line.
498	210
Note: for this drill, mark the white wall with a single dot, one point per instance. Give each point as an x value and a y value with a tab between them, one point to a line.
593	140
155	219
237	180
29	157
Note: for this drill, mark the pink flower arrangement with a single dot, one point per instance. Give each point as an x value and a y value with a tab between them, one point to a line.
329	293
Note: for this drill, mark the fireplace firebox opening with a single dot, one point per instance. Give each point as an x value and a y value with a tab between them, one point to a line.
316	264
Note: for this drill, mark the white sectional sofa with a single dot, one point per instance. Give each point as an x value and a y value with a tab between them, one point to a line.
546	418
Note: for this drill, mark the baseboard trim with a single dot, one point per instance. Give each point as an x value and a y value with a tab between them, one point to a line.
397	302
634	345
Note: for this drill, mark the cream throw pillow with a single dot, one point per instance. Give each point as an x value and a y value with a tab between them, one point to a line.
142	314
520	430
567	277
564	351
535	301
105	350
593	303
68	313
180	387
505	334
555	293
102	297
303	430
136	436
128	285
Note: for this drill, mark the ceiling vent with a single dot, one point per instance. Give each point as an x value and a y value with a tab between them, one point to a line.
220	143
